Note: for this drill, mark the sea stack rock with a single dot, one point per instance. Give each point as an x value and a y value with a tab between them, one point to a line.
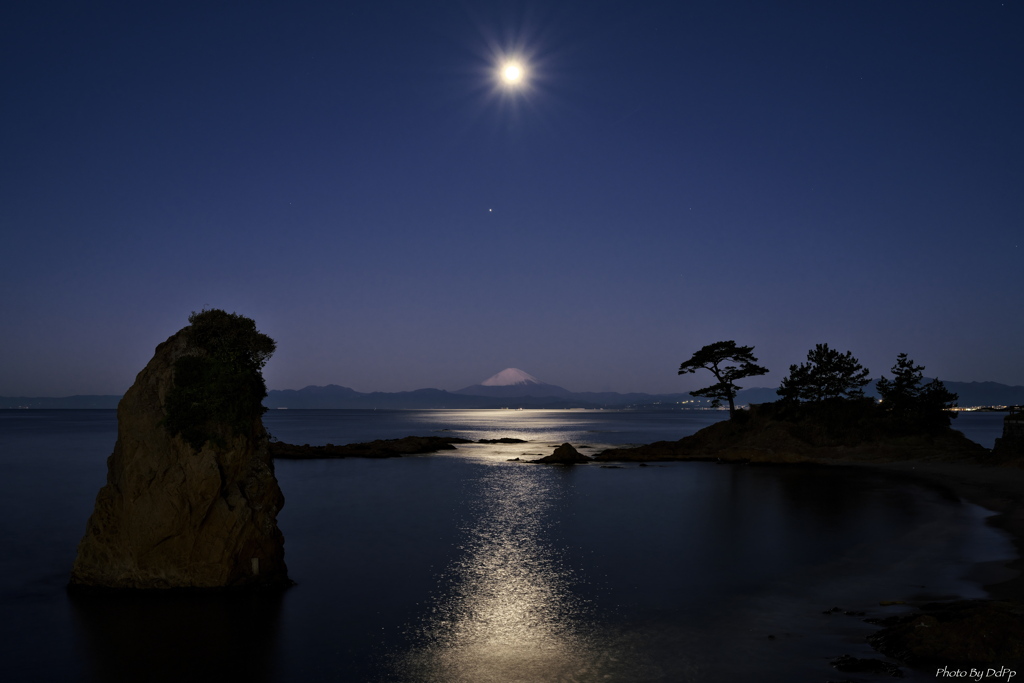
191	500
564	455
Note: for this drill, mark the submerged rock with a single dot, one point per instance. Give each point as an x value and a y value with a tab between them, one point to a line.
196	508
564	455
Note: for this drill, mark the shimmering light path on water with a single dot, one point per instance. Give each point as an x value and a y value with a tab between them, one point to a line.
536	426
508	610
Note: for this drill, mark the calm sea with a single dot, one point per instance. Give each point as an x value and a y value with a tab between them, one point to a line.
463	566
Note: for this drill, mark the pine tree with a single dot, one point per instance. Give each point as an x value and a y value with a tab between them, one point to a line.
826	374
728	363
911	405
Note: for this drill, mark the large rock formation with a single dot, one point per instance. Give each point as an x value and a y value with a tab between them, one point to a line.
194	509
775	432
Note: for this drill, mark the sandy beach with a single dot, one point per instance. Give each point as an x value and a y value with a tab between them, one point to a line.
997	488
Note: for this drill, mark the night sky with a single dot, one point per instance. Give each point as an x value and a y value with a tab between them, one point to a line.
354	177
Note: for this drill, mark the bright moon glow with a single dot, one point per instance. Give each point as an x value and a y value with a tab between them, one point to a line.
512	73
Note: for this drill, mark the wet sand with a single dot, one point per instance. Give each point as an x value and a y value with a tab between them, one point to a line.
997	488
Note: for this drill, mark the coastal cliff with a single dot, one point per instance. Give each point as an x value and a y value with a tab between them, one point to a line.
185	510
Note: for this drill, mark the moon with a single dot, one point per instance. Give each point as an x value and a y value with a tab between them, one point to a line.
512	73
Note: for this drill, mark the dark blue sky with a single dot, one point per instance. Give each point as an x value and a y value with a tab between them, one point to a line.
351	176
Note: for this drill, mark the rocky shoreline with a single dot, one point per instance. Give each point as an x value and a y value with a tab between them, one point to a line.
964	633
960	633
381	448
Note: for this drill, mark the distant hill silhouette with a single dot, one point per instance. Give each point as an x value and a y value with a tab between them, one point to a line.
985	393
533	396
334	396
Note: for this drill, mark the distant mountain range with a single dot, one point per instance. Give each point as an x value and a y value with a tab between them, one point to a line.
512	388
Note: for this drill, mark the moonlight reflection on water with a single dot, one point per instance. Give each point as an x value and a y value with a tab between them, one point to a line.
509	614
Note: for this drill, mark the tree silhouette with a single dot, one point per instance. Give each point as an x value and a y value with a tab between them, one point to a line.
911	405
728	363
826	374
218	382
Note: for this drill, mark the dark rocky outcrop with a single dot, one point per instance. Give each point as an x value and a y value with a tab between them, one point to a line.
963	632
381	448
772	433
1010	446
175	516
564	455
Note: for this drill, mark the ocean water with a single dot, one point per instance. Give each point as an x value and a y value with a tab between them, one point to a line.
463	566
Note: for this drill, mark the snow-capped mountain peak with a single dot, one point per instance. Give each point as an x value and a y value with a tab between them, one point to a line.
510	377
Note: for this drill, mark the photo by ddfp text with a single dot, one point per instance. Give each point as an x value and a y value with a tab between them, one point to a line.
976	674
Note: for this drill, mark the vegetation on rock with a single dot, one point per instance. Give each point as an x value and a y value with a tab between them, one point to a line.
911	406
728	363
827	374
191	500
219	383
825	397
822	408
